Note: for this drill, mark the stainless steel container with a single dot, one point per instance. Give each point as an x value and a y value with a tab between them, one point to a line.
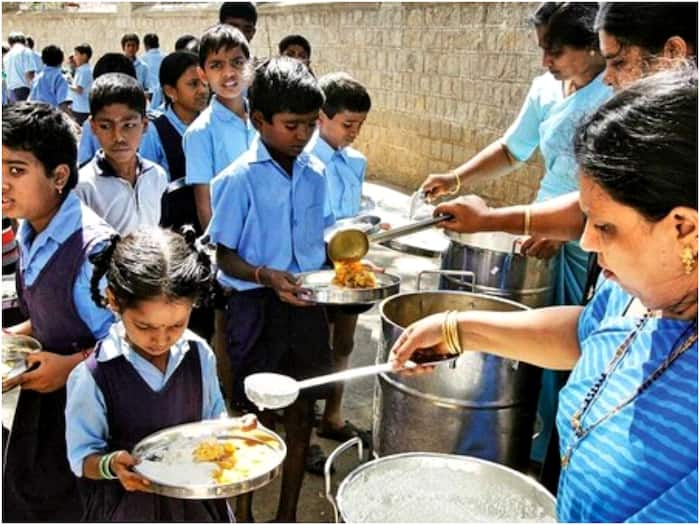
421	487
483	407
498	268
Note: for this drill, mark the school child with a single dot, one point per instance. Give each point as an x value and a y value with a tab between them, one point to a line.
19	66
241	15
185	97
120	186
296	46
56	234
147	374
263	237
130	47
223	130
187	43
153	58
340	121
50	85
107	63
82	81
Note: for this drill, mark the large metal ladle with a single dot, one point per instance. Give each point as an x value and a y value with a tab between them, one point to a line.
268	390
353	244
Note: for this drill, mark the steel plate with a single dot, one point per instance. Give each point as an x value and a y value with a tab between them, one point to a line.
159	454
15	349
323	291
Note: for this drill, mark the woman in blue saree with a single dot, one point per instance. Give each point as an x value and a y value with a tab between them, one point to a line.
628	415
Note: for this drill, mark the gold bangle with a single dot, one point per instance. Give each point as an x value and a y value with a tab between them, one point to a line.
445	334
454	326
527	220
459	184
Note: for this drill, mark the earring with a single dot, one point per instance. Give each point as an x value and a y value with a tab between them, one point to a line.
60	191
688	260
591	52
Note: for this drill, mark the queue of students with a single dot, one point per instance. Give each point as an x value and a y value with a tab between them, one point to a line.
258	159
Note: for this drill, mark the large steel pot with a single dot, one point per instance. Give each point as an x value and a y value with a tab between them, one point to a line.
421	487
484	406
498	268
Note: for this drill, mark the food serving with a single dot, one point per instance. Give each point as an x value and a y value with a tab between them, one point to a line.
15	349
353	274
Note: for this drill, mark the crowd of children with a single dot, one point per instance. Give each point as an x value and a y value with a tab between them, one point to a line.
112	172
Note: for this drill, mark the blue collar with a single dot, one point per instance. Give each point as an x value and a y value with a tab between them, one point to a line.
225	114
261	154
60	227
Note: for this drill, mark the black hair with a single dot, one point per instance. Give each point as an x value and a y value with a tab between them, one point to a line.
244	10
284	84
649	25
45	132
641	146
52	56
117	88
130	37
84	49
113	63
5	49
221	36
30	42
16	38
294	40
150	40
152	262
568	24
343	93
183	43
172	67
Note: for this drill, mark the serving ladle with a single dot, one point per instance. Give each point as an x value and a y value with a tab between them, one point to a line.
268	390
352	244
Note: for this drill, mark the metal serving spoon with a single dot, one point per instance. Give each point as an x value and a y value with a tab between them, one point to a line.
353	244
272	391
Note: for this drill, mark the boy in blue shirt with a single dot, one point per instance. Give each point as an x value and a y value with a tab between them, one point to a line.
130	46
50	85
269	213
341	118
222	131
80	88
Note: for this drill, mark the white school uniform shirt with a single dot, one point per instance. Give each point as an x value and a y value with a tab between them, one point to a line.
121	205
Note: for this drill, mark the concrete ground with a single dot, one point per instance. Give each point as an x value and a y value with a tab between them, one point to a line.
392	207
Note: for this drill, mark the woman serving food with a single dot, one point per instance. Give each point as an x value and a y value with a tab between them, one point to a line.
628	415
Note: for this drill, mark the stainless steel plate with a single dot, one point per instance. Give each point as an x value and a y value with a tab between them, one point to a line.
323	291
15	349
166	459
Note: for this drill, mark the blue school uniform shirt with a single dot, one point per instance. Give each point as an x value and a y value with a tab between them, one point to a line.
214	140
37	251
142	74
641	465
268	217
151	146
345	173
50	86
152	58
18	61
83	78
86	412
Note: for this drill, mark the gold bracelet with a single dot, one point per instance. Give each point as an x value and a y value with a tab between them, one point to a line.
454	328
528	219
445	334
459	184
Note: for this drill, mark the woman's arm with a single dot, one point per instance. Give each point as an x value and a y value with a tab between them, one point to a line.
545	337
492	161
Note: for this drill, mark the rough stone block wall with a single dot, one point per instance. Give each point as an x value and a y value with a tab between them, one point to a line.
445	79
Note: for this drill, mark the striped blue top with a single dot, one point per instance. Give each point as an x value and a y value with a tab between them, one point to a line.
641	465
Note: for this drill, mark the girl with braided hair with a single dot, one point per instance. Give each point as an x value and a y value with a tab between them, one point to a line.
147	374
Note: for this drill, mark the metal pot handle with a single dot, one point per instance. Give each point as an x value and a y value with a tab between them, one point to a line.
447	274
329	464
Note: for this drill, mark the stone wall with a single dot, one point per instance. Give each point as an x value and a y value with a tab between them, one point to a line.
445	79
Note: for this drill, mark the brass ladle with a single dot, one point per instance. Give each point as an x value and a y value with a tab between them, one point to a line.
353	244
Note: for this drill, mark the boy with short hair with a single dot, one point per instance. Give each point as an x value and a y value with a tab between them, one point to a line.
130	47
121	187
223	130
269	215
296	46
50	85
82	81
340	121
241	15
153	58
19	66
